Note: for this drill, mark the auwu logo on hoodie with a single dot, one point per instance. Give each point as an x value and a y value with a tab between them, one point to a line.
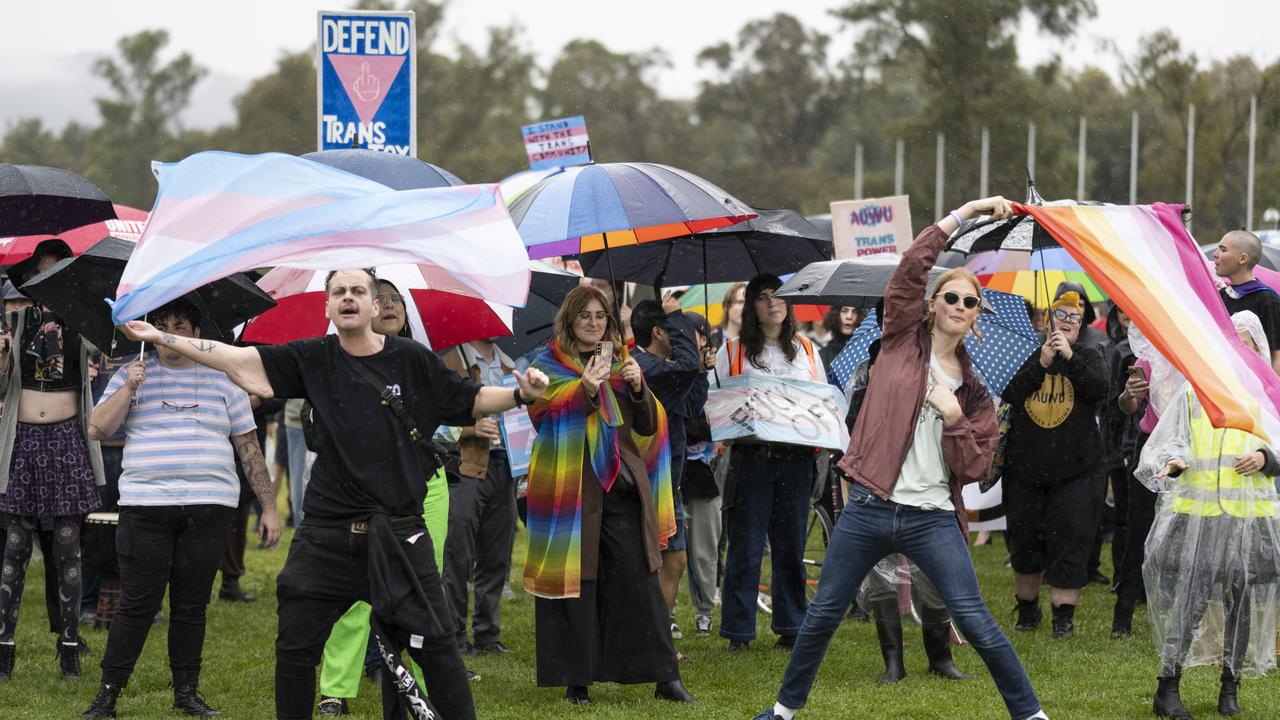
1049	406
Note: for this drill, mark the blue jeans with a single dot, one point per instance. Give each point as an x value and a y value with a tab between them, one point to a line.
870	528
771	496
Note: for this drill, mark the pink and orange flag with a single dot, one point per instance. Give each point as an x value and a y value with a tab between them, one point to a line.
1143	257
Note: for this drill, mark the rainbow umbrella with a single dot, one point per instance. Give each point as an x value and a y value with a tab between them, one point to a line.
1031	284
608	205
706	300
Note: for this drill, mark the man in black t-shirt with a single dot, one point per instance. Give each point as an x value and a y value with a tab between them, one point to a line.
366	467
1237	255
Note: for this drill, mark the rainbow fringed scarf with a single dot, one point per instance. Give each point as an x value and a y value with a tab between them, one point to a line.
568	425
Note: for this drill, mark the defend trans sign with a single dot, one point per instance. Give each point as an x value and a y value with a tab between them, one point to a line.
557	143
367	89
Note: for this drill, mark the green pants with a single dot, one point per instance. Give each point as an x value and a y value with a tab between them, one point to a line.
345	649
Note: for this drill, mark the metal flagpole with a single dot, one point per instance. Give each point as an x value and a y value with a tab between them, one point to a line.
899	166
939	183
1253	154
857	171
1133	160
1191	157
1031	151
984	166
1081	157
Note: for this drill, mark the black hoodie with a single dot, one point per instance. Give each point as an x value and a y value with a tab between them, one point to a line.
1053	426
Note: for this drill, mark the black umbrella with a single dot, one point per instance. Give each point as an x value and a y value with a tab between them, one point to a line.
398	172
534	323
75	289
855	282
38	200
776	241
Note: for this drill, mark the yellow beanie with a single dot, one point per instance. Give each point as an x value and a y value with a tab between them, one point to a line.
1069	299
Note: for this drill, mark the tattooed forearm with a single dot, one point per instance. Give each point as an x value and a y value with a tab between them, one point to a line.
204	346
169	338
255	467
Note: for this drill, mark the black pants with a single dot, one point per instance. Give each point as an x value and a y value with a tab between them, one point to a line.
618	629
165	547
482	525
112	457
327	571
1141	513
62	572
1119	479
232	566
1051	527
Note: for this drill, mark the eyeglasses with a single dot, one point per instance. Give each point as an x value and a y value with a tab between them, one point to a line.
391	299
1067	317
954	298
177	407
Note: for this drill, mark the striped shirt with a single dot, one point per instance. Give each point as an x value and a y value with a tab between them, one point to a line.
177	436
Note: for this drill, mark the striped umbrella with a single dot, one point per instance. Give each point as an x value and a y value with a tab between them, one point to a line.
1032	274
601	206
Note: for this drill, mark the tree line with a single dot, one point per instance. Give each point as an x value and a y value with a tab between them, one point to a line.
776	124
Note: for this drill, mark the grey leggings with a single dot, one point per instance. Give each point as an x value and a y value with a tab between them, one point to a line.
65	561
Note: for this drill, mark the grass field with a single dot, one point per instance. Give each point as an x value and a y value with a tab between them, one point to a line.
1087	676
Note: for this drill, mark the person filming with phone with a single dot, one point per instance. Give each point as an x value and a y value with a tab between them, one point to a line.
1052	472
601	468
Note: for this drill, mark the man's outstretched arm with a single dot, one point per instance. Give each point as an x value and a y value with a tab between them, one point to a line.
242	364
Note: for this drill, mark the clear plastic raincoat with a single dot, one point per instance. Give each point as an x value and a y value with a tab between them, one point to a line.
1213	553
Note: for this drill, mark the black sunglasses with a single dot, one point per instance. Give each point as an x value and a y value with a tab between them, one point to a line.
953	298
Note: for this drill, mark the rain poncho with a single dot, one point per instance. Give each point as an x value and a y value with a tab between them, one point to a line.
1213	553
896	587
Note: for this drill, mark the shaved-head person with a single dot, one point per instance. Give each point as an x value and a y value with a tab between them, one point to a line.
1237	255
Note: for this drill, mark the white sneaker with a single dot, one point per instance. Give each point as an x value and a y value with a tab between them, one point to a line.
703	624
675	631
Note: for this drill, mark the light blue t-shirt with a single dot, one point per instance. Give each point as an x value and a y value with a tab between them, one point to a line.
178	434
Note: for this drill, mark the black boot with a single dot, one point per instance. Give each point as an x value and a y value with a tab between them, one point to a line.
232	592
1029	614
890	634
1227	702
8	651
104	704
1064	623
69	660
1122	620
187	699
577	694
937	645
1167	703
672	690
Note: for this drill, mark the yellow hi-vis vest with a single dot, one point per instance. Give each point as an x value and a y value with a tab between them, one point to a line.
1210	486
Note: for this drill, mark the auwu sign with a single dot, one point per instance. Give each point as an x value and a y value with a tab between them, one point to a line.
367	89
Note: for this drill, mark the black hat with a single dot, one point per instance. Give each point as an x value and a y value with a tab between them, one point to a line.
21	272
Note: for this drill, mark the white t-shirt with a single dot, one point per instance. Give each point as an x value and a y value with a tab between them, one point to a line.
922	482
773	362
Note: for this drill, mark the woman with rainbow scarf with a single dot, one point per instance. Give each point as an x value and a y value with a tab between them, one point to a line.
600	512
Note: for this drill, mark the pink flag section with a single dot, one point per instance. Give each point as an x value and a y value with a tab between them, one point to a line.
366	78
1142	256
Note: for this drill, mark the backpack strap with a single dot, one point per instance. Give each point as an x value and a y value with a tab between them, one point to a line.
432	456
807	344
735	352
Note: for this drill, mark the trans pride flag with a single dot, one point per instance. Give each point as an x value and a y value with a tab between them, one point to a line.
218	213
1142	256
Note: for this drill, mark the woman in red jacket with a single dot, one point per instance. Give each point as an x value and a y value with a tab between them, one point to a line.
934	431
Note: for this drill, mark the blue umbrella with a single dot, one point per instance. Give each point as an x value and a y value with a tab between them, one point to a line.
398	172
1007	341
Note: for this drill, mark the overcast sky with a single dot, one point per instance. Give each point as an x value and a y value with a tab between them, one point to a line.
46	47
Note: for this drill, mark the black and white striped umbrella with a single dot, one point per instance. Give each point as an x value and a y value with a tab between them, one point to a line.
1020	232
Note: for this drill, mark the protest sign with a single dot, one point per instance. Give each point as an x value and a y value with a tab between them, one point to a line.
557	143
780	410
871	226
367	81
517	434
